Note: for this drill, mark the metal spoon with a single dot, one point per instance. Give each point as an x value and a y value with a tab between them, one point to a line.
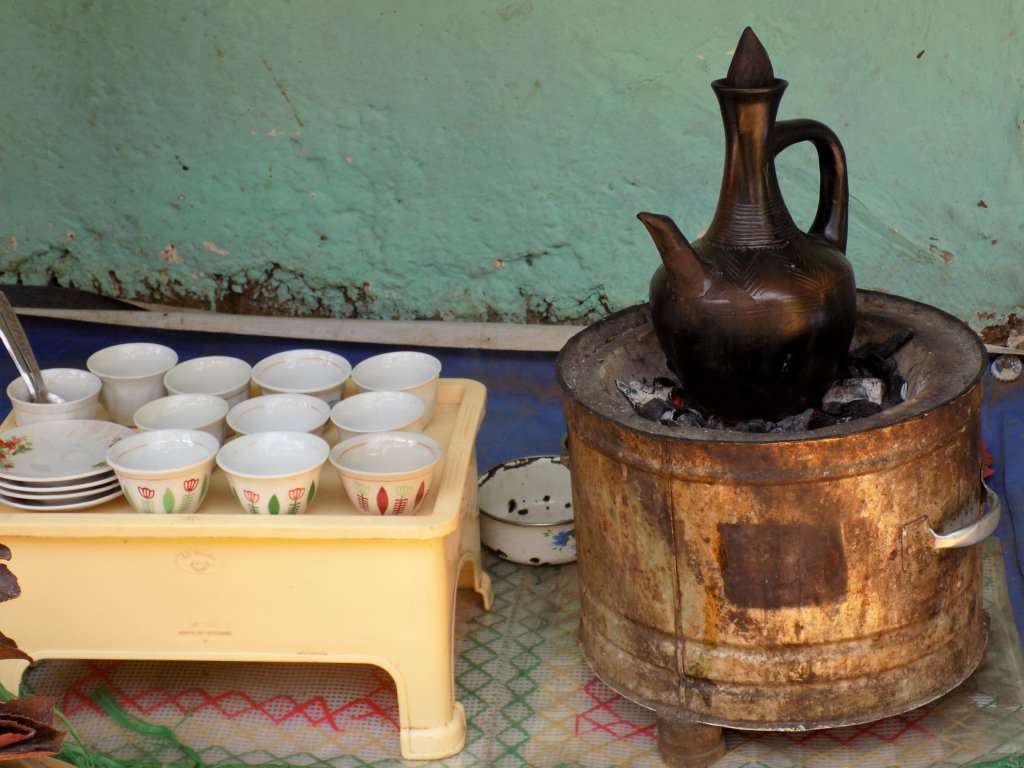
14	338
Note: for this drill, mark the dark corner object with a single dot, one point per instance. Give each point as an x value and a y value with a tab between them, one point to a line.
58	297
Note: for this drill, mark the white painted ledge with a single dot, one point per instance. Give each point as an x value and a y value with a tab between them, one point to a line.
425	333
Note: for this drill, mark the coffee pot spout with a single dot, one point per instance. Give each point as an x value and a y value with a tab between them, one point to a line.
683	266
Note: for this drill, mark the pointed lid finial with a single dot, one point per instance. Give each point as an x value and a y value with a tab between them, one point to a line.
751	67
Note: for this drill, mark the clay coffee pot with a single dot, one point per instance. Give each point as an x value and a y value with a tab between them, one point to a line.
756	317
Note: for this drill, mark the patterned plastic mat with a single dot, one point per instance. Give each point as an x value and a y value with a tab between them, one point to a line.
529	697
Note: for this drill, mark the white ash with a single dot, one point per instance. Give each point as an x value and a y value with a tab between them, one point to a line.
847	390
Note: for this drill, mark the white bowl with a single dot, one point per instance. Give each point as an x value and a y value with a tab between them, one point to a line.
378	411
303	371
404	371
220	375
167	470
206	413
279	413
80	390
132	375
387	473
274	473
526	511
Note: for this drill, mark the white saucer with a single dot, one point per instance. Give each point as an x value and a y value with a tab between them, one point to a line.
58	450
85	503
14	487
59	498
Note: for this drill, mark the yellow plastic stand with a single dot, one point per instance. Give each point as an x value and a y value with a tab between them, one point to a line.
331	585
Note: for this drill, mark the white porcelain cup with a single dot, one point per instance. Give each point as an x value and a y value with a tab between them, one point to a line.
387	473
313	372
405	371
379	411
79	390
274	473
132	375
278	413
166	470
205	413
220	375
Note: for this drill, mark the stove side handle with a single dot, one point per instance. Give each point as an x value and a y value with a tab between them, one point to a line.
974	533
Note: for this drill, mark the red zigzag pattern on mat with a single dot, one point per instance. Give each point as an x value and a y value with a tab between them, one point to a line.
379	702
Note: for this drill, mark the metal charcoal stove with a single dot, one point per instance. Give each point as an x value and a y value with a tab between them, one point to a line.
780	581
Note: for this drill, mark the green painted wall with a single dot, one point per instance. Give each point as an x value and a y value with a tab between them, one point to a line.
470	159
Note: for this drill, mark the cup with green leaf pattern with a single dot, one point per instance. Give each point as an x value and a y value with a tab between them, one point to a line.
274	473
165	470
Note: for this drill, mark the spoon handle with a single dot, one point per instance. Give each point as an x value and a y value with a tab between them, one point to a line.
14	338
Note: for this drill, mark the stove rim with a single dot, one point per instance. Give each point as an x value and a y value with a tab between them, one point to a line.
630	421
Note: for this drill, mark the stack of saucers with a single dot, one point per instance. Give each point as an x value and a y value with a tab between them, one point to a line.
54	466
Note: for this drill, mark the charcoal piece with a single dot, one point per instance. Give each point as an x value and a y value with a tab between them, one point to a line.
891	346
881	350
797	422
895	388
663	400
857	409
822	419
691	416
654	409
688	418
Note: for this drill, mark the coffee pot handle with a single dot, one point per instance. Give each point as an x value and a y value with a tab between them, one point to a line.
830	222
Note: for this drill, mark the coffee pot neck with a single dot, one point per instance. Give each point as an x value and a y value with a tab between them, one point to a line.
751	212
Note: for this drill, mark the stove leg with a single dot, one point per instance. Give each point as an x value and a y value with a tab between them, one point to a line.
687	744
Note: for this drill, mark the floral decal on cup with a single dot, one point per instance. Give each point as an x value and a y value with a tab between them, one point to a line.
363	497
251	498
190	486
396	500
401	499
190	499
296	495
298	499
147	495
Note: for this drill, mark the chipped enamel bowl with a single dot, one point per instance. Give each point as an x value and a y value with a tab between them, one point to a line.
274	473
526	511
387	473
167	470
219	375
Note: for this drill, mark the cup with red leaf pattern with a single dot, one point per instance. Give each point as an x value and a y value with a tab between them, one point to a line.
387	473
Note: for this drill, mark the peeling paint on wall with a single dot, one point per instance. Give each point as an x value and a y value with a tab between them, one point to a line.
394	160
